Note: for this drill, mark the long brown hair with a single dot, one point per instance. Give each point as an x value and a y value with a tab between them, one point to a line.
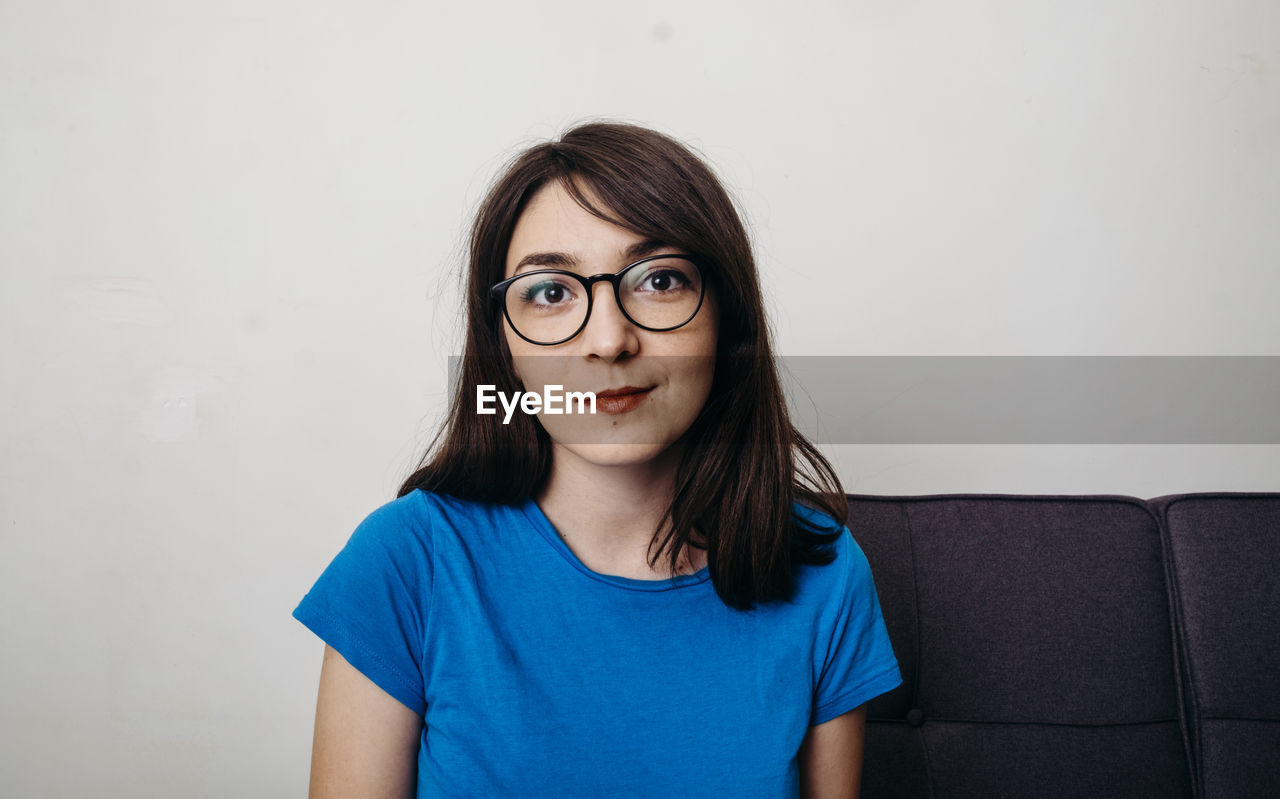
744	464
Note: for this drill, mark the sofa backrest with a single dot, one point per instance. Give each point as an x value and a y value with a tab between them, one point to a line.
1047	651
1224	552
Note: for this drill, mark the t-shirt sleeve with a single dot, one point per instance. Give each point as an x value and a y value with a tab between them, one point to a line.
857	661
371	603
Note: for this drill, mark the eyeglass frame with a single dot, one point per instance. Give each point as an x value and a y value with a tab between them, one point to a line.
499	292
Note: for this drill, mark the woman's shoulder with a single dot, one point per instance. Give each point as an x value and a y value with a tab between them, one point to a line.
848	560
427	516
816	518
393	526
819	525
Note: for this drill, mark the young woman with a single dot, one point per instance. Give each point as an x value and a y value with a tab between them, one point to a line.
657	599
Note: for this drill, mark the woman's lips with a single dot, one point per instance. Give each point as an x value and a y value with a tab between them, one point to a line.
621	400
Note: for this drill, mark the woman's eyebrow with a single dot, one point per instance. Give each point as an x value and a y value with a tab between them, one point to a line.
565	260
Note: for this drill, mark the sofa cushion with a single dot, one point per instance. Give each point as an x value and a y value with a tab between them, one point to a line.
1035	643
1225	554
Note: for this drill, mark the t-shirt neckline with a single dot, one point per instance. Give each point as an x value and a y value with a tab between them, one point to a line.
548	531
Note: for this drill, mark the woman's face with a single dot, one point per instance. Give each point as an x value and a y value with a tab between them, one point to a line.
667	375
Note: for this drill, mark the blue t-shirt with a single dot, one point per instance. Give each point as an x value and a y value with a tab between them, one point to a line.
537	676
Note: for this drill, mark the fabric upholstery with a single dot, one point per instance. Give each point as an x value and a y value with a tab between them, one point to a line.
1063	646
1225	556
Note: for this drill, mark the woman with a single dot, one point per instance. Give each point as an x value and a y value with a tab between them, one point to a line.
509	625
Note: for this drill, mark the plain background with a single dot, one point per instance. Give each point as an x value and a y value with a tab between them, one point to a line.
230	235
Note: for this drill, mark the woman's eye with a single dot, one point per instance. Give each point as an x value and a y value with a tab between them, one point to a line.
664	280
546	292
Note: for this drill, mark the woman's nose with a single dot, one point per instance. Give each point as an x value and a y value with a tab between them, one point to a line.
608	334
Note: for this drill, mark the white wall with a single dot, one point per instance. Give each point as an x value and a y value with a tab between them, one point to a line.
229	233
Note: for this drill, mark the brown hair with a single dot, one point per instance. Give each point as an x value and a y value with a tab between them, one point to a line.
744	464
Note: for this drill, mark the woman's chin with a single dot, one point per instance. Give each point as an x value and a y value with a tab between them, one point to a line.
616	454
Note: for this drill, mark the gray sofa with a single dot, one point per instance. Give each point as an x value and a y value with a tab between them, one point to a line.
1076	646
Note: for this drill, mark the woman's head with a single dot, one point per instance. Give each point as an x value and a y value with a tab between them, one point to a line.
645	183
599	193
591	306
642	187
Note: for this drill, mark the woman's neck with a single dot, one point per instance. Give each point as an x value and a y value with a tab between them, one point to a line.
607	514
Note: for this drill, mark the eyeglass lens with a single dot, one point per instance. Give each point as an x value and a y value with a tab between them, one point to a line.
658	294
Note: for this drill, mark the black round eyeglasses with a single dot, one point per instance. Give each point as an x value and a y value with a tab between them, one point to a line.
551	306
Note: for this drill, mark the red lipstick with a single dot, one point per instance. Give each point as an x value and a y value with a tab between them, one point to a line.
621	400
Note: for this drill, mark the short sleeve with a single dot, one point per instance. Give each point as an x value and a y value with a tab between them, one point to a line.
372	602
857	661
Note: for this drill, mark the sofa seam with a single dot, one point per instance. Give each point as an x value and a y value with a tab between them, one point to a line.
1184	669
1082	726
909	531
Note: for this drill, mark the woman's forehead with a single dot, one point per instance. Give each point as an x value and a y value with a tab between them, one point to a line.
555	231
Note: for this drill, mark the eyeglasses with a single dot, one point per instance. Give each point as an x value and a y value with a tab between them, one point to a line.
551	306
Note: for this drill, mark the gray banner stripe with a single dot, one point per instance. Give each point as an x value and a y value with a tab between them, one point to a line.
1035	399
